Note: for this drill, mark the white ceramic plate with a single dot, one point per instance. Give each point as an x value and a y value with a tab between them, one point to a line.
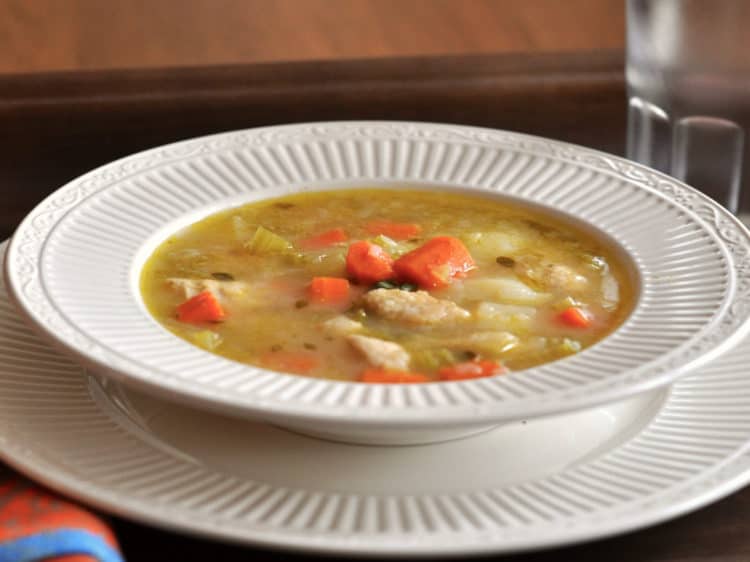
523	486
74	263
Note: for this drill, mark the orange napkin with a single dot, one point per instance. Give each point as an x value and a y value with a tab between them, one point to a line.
36	525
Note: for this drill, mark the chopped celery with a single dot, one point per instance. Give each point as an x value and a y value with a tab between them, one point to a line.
265	242
567	302
206	339
328	263
567	346
384	242
594	262
394	249
242	230
432	359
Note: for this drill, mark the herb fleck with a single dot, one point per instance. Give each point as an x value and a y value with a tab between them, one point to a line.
385	285
300	304
222	276
505	261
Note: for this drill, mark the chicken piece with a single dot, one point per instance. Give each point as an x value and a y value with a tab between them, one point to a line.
220	289
341	326
413	308
380	353
564	277
551	275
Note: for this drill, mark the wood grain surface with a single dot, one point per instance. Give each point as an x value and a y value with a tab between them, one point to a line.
45	35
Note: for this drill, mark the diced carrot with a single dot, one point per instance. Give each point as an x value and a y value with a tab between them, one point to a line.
368	263
575	317
298	362
435	263
391	377
324	239
203	307
331	290
395	230
471	370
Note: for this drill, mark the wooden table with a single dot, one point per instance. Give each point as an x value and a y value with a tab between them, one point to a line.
45	35
56	126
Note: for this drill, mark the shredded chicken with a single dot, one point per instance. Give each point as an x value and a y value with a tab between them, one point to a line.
341	326
413	308
191	287
563	277
380	353
551	275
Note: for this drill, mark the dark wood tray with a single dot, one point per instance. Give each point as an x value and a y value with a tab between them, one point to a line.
54	127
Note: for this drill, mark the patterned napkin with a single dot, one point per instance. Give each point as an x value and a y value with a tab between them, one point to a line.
38	526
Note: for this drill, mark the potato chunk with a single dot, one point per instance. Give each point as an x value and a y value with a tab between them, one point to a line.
503	290
505	316
418	308
485	343
191	287
380	353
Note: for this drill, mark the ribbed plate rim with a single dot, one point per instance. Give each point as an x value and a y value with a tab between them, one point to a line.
466	412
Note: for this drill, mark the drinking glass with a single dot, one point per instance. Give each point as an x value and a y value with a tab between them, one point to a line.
688	78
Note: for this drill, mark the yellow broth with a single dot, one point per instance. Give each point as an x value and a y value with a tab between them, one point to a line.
529	269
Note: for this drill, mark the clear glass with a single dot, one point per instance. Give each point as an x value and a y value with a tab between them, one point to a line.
688	76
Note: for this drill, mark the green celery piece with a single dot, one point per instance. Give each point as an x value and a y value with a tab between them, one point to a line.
432	359
206	339
568	346
567	302
265	242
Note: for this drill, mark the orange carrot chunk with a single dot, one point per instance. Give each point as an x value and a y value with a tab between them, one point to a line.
368	263
298	362
395	230
331	290
324	239
435	263
203	307
391	377
575	317
471	370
